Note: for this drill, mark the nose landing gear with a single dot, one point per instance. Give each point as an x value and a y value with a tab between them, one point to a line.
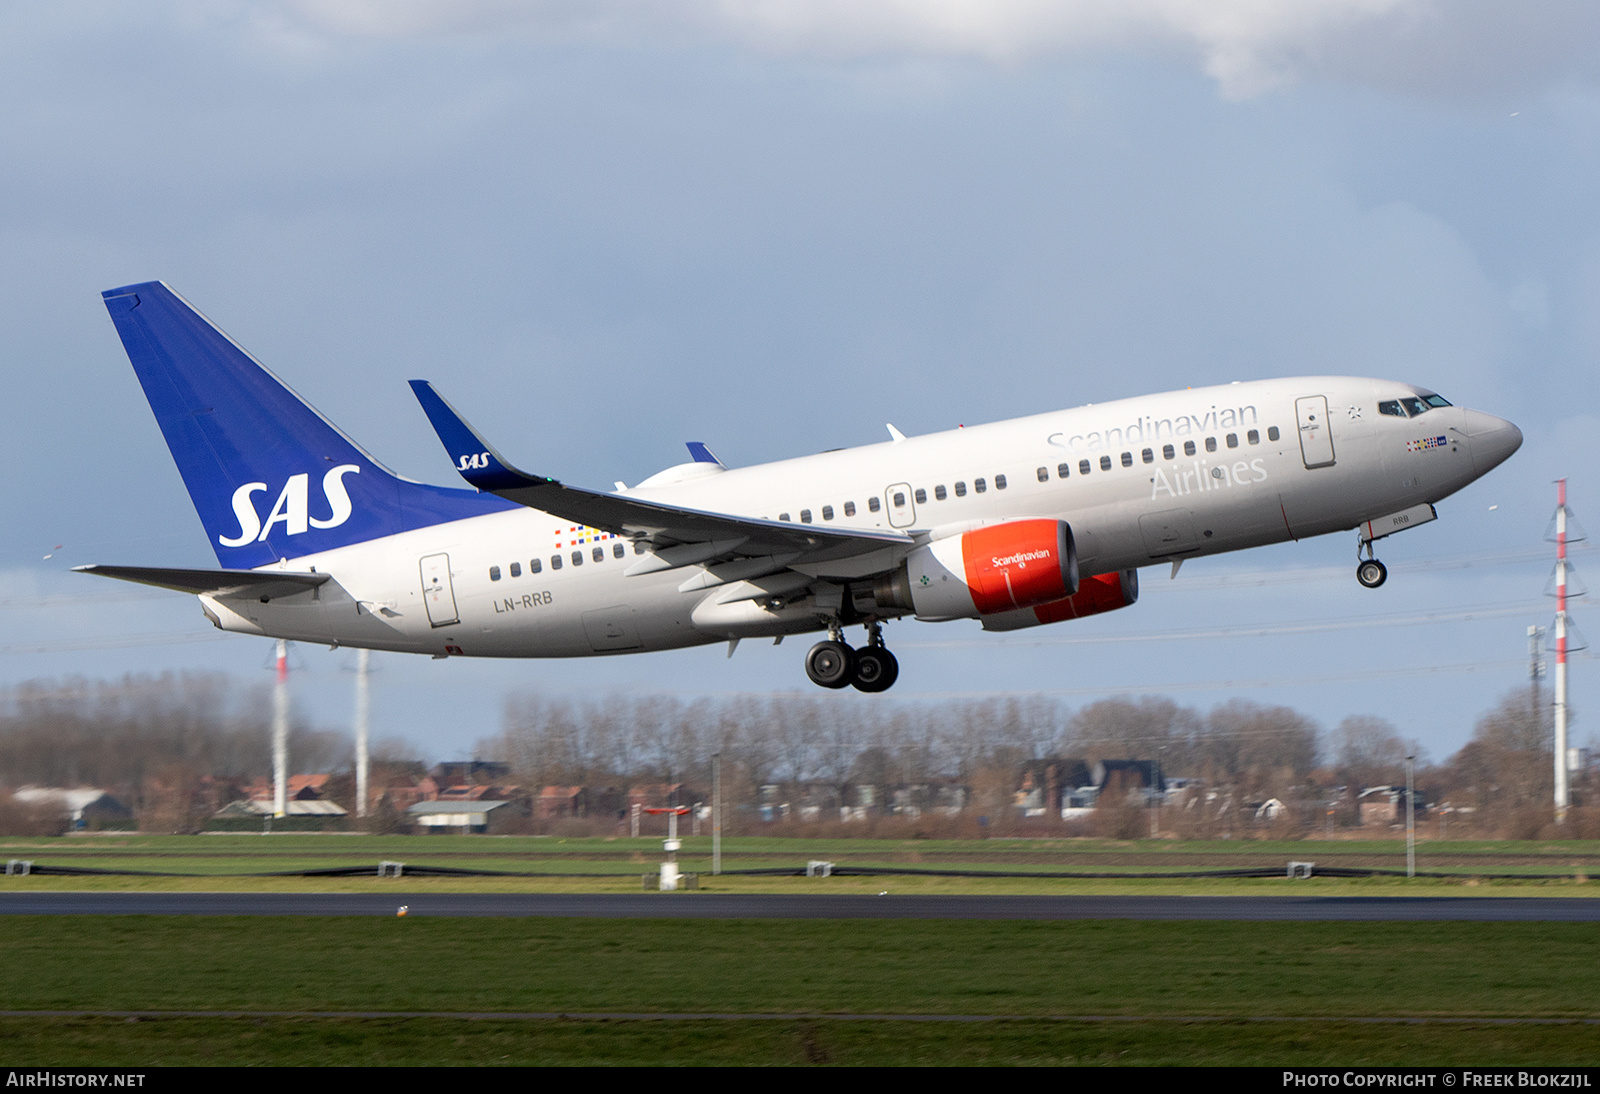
1369	571
833	664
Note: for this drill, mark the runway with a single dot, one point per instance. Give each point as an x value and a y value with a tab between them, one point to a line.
819	906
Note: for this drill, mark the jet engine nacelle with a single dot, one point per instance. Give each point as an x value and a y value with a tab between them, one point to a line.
1100	593
995	568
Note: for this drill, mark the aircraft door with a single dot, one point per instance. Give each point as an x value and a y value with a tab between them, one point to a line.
438	592
902	511
1316	441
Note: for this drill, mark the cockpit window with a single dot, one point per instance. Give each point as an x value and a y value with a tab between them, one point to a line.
1411	408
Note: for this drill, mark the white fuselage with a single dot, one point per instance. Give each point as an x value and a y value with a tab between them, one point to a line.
1140	481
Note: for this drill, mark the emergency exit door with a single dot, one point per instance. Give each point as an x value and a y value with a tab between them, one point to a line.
902	510
437	592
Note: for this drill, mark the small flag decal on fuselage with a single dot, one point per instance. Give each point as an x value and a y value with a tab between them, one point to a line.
575	535
1426	443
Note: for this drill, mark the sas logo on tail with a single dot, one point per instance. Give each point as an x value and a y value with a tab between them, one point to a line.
475	461
291	509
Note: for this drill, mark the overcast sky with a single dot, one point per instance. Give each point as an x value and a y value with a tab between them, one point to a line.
604	229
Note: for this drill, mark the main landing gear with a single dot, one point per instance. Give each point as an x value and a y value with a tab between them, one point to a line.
833	664
1369	571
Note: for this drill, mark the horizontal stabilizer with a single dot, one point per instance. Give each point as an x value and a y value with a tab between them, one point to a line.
266	584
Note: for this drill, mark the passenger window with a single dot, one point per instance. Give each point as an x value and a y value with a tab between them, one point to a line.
939	493
1188	448
535	565
827	512
1272	432
849	508
783	517
618	550
1127	459
1062	469
873	504
1168	452
1043	473
494	573
979	486
1147	456
1233	440
805	516
999	482
1254	436
1105	463
1083	467
639	547
577	558
1211	444
599	554
516	569
961	489
899	500
555	562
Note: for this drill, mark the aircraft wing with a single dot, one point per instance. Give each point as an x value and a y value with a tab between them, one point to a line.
266	584
680	536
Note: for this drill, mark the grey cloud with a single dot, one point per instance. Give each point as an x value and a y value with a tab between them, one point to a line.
1430	48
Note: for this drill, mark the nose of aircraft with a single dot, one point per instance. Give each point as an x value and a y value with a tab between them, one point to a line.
1492	440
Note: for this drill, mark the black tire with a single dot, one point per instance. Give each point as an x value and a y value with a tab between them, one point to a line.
831	664
876	670
1372	573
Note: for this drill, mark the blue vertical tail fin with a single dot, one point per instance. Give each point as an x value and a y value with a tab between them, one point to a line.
270	476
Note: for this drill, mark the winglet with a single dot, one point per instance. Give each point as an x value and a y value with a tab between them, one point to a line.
474	457
895	433
701	454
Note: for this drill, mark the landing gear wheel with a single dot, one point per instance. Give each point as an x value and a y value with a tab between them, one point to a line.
1372	573
831	664
876	670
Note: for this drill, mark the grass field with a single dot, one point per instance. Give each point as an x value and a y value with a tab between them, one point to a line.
432	1041
399	991
1155	978
218	861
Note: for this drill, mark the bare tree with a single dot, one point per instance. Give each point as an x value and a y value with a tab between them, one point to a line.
1261	750
1370	751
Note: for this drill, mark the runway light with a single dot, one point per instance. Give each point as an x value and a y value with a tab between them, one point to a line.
404	908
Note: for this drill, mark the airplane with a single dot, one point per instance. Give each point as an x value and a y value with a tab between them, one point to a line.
1017	523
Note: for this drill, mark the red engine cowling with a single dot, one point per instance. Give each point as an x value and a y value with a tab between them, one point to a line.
1100	593
996	568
